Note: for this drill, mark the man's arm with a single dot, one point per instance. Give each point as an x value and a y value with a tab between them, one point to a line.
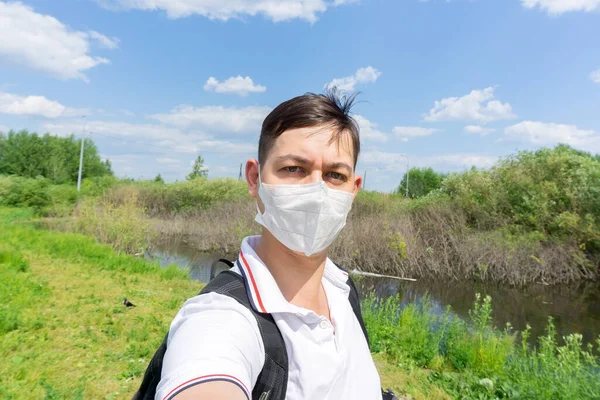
214	351
213	390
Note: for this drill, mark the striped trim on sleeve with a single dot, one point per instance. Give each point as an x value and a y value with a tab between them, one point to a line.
205	379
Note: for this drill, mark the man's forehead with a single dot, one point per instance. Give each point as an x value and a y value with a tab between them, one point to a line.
317	139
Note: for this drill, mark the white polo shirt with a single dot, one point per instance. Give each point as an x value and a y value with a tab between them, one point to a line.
213	337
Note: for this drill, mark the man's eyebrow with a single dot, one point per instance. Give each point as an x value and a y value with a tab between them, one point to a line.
294	157
340	165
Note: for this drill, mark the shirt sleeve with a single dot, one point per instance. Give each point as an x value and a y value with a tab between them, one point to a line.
212	338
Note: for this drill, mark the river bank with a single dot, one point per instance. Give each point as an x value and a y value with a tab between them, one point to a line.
65	334
68	290
575	308
530	219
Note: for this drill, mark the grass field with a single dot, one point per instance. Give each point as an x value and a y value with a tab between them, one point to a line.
64	333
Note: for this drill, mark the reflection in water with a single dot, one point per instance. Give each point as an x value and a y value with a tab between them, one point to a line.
198	263
574	308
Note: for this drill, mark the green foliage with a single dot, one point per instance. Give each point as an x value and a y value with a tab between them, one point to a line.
199	170
159	179
57	159
181	197
123	225
98	185
38	194
421	181
64	333
552	191
474	360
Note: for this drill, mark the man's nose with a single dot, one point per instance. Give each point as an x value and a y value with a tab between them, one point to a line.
316	176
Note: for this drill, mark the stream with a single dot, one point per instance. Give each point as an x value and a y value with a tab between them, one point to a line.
574	308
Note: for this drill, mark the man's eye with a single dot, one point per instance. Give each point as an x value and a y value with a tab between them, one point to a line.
293	169
337	176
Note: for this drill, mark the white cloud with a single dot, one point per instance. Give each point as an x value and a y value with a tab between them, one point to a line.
117	129
217	118
556	7
109	43
151	137
235	85
276	10
4	128
43	43
478	130
479	105
126	112
548	134
362	75
369	131
30	105
595	76
407	132
446	162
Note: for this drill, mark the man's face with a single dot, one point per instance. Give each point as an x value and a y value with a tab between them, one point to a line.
305	155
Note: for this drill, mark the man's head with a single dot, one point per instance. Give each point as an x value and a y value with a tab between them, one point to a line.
308	138
311	110
304	141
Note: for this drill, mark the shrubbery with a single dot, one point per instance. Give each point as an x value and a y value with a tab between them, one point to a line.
555	192
474	360
55	158
534	217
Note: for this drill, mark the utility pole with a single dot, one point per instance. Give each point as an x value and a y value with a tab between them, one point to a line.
364	186
407	174
81	155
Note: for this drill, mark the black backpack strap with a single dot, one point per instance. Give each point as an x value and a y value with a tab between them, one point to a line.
151	378
355	303
272	381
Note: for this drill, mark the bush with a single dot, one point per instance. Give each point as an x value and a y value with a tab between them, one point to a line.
421	181
533	190
38	194
473	359
187	197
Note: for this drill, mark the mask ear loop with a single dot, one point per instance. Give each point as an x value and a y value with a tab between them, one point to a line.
258	192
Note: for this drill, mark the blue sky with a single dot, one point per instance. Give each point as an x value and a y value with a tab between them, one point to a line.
448	83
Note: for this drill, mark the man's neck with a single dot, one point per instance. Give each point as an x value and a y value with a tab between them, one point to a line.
298	276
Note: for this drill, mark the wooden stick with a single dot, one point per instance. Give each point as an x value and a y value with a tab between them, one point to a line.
357	272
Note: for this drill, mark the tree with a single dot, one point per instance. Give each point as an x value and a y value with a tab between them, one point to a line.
421	181
159	179
55	158
199	170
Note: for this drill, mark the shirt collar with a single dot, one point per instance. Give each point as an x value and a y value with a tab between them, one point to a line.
263	291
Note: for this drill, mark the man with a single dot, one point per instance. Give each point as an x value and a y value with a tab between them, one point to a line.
304	183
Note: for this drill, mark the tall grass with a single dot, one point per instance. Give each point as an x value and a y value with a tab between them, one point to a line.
124	226
473	359
533	217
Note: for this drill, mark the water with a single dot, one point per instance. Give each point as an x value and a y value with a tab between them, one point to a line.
574	308
202	266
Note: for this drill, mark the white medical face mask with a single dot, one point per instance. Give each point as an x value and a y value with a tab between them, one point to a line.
307	217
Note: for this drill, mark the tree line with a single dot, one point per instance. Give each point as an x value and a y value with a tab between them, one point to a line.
55	158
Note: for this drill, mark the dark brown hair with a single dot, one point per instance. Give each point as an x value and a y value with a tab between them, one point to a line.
331	109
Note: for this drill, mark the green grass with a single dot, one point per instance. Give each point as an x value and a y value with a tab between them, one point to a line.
63	330
64	333
474	360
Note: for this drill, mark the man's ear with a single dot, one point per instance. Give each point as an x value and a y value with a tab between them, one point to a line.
252	167
357	184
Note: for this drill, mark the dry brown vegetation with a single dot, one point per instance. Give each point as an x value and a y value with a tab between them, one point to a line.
430	241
